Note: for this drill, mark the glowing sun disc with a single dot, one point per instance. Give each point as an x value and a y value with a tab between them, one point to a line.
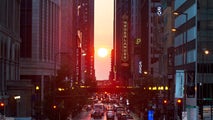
102	52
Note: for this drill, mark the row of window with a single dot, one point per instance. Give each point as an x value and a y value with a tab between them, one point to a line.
9	15
9	59
186	56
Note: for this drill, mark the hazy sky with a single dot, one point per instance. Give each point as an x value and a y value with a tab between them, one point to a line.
103	36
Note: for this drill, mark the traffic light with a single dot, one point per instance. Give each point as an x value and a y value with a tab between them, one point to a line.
179	107
2	105
165	105
179	102
54	107
165	101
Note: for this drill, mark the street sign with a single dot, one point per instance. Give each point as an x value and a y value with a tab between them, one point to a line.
150	115
184	115
207	99
207	115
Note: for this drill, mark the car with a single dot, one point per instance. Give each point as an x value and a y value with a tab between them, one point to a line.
99	107
96	114
125	116
110	107
88	108
110	115
122	116
98	110
119	110
129	117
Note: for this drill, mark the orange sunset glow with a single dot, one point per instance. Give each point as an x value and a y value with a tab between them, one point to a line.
103	37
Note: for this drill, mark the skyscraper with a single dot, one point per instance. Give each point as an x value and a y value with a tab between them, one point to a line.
130	41
193	56
40	47
122	42
83	30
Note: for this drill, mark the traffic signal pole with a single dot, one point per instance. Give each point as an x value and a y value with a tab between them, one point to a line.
2	108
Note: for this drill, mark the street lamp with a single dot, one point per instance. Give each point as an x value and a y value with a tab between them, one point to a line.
205	52
174	29
17	98
184	53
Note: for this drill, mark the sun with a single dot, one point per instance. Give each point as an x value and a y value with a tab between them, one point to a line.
102	52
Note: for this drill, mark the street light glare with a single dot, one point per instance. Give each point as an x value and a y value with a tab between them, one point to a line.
175	13
174	29
206	52
145	72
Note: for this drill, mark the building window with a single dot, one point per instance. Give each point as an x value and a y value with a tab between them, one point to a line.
26	28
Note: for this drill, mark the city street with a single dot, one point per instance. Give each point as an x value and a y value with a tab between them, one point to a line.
84	115
106	59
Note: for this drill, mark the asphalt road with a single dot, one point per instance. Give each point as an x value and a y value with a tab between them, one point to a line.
84	115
